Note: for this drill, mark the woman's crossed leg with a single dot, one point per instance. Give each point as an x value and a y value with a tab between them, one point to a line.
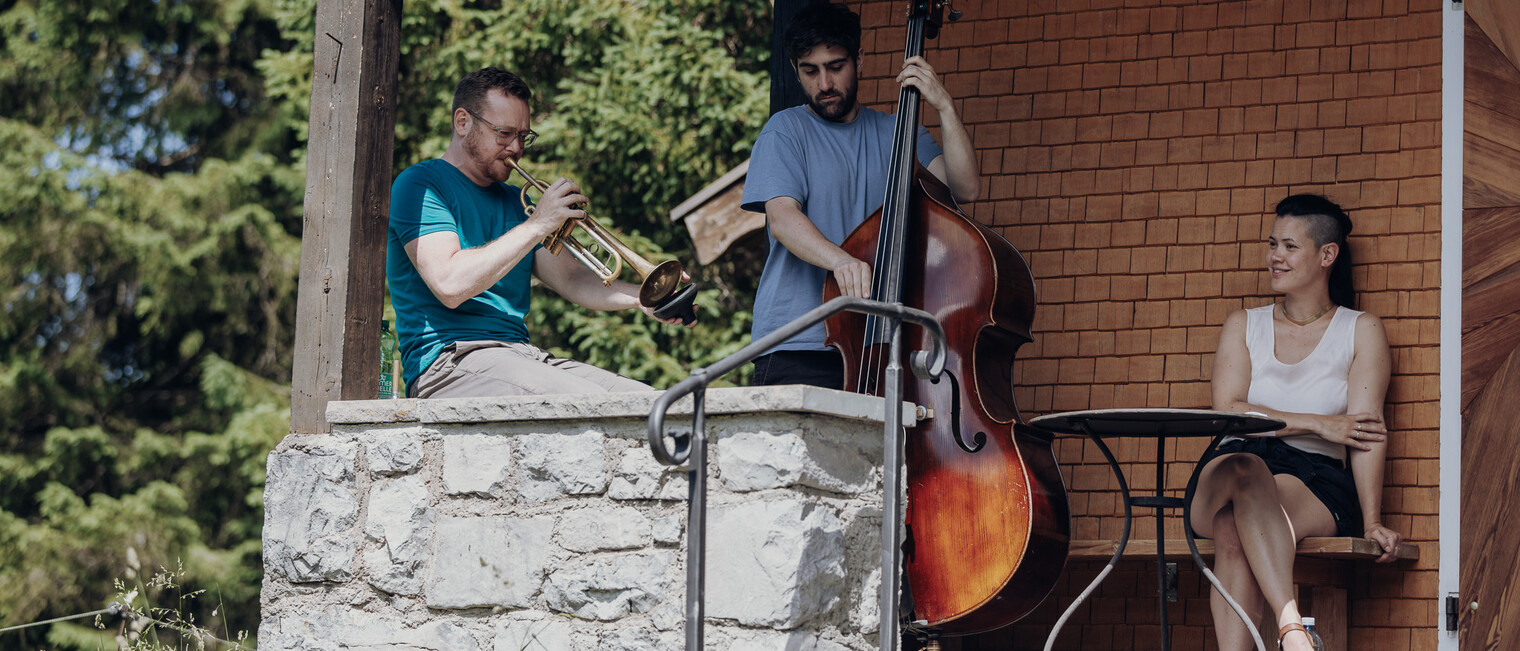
1256	520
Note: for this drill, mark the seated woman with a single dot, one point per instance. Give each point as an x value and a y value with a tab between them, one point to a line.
1321	367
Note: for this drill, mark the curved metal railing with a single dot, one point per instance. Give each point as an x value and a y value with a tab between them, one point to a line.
692	448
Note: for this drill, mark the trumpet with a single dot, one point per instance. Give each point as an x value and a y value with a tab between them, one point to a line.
659	283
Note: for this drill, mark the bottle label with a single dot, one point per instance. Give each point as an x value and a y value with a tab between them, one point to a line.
387	387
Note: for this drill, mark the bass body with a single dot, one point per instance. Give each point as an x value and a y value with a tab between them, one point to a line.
987	518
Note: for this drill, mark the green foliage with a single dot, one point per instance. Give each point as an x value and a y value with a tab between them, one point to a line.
665	114
148	623
643	104
150	251
152	166
156	85
124	282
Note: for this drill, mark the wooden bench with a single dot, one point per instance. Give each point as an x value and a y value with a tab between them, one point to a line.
1319	572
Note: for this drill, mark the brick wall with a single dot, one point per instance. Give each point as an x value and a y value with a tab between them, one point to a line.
1133	150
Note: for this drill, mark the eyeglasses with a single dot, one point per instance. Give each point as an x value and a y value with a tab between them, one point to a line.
506	137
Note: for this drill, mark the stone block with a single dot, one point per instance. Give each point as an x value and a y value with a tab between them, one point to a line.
777	563
476	464
488	561
601	529
607	588
638	476
609	407
667	529
863	558
548	634
865	616
339	627
310	508
759	640
828	458
557	465
401	521
638	639
671	614
394	452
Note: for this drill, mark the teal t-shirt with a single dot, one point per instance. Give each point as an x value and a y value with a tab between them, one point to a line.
431	197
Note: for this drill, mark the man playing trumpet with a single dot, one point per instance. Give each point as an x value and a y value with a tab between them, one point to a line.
461	250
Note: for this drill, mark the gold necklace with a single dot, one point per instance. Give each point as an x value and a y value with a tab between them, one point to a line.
1282	307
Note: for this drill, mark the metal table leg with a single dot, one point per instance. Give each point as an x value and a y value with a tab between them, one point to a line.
1050	640
1160	424
1160	502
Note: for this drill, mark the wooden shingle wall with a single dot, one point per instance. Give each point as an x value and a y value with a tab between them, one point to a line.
1133	150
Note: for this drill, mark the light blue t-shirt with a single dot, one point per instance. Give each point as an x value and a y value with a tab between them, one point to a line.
431	197
838	172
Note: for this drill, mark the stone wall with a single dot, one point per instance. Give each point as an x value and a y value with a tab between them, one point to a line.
546	523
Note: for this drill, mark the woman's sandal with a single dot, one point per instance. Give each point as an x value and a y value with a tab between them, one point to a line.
1289	628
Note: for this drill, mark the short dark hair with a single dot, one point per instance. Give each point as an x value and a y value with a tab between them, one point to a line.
470	94
1327	223
822	23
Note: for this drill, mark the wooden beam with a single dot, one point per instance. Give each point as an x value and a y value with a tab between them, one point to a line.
348	175
786	91
1176	549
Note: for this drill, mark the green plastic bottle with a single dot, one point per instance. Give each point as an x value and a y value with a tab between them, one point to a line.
387	361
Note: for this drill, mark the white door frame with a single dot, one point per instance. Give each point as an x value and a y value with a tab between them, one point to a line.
1453	67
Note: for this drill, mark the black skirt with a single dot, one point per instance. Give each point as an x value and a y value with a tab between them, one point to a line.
1327	477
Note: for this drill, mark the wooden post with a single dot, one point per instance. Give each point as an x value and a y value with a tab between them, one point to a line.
348	177
786	91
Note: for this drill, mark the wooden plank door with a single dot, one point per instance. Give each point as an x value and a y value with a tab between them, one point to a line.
1491	329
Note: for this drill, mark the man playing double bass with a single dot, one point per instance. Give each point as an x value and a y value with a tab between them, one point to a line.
818	171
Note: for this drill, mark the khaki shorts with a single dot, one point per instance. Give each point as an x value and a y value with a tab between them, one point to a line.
468	369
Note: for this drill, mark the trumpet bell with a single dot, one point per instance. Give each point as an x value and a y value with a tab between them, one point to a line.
661	283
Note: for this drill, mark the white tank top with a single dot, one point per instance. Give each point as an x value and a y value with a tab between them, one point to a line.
1315	385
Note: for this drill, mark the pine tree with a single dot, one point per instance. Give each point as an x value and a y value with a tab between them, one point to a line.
151	187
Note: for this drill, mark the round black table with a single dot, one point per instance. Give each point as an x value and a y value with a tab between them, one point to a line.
1158	424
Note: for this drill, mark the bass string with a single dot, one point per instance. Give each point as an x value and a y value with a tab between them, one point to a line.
892	239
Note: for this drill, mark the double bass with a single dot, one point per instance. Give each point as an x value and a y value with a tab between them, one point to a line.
987	520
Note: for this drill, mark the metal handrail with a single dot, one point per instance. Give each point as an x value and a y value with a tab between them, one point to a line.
693	447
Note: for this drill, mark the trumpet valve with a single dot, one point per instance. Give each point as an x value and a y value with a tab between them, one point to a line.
556	242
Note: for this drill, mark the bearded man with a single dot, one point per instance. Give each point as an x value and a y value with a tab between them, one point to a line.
462	250
818	171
